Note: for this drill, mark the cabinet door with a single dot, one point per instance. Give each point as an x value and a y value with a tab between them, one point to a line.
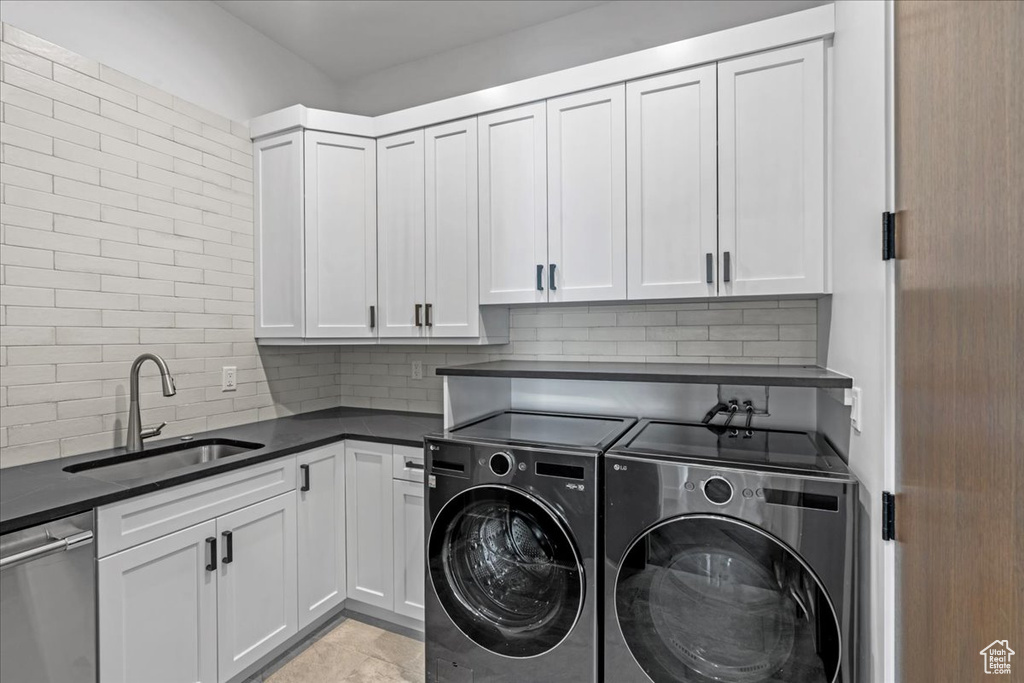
410	563
321	531
771	167
368	520
158	610
513	205
452	279
257	608
672	185
341	235
277	178
587	196
400	234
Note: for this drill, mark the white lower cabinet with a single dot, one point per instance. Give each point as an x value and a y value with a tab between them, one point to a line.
369	523
321	531
158	610
410	561
256	582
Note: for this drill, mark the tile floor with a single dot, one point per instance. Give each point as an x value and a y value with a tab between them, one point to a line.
354	652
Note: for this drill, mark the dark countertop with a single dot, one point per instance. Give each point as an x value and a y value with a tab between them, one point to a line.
677	373
43	491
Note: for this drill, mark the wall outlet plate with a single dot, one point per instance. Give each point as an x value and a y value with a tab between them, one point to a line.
854	401
229	378
417	369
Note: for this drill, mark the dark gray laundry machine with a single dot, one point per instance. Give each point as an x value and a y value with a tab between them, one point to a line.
729	557
512	548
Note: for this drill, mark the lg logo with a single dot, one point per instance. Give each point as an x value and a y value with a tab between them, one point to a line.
619	468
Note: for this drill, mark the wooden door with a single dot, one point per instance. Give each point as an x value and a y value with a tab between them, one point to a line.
672	185
513	205
278	250
410	561
157	611
771	172
452	232
257	607
369	518
400	235
341	235
587	196
320	509
959	337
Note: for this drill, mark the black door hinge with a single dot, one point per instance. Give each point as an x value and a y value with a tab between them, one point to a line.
888	236
888	516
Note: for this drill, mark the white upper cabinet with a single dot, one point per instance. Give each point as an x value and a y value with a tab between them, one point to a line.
672	185
341	235
587	196
771	165
277	176
400	235
513	205
452	303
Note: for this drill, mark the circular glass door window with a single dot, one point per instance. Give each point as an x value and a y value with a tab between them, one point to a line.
506	571
703	599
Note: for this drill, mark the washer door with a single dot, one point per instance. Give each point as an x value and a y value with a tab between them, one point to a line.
705	598
506	570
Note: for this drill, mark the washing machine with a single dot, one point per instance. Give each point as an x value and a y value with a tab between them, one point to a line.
512	512
729	557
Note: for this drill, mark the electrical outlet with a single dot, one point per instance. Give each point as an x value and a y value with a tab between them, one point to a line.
855	409
229	378
417	369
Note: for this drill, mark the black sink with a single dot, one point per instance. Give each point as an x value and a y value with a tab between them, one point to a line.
148	463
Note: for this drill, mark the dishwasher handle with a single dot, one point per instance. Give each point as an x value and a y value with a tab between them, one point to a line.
53	547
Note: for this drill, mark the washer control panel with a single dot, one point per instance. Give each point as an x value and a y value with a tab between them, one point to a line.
718	490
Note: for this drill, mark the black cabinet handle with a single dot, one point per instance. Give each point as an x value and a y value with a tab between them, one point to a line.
540	278
229	554
211	547
413	465
419	310
373	317
726	267
709	261
305	477
430	315
551	277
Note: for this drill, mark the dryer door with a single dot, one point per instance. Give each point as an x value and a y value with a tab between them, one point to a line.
506	570
704	598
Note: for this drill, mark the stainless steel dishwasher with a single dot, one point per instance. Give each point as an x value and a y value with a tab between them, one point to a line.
48	603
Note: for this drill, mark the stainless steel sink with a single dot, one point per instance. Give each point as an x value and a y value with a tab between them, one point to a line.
161	460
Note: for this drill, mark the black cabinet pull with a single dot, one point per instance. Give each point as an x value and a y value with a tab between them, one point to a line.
540	278
413	465
709	261
430	315
305	477
551	277
419	310
229	549
211	547
373	317
726	267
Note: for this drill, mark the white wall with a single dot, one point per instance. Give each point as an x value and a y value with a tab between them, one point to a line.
194	50
857	338
609	30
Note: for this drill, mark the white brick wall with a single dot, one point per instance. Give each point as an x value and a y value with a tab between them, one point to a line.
770	332
126	226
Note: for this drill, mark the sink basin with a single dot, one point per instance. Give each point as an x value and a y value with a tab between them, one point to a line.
148	463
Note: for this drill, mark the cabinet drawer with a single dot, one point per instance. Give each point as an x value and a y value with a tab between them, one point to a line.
130	522
408	463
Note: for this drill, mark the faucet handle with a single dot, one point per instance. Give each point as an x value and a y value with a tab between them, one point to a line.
148	432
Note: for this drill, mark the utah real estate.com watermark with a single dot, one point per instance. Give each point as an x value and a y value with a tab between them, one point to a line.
997	656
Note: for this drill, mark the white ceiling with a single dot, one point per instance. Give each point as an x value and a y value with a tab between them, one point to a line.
351	39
